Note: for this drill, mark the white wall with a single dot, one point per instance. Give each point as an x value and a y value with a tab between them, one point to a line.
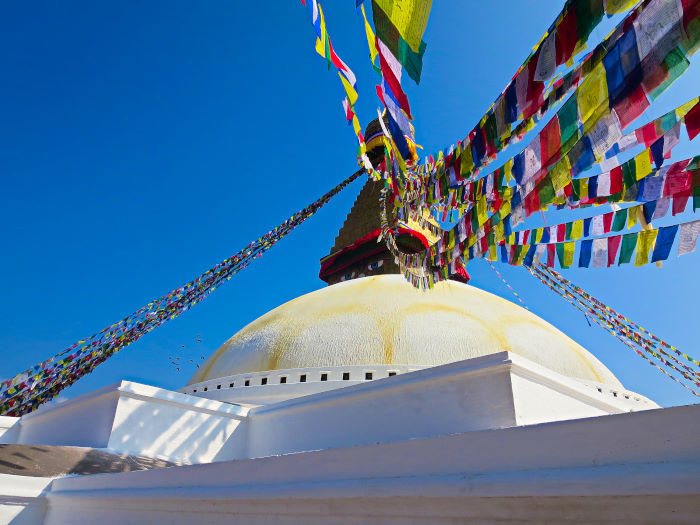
22	500
168	428
626	468
9	429
141	420
436	401
496	391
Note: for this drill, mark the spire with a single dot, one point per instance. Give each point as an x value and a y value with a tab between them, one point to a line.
356	252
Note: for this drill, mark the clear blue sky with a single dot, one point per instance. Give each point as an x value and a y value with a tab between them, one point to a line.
142	142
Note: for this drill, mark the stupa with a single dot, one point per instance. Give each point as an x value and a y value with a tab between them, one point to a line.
366	401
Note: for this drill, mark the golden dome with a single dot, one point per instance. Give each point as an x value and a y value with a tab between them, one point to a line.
383	320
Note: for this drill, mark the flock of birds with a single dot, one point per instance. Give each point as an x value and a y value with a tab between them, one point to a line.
178	362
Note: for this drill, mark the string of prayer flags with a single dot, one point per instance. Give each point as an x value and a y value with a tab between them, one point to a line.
29	389
324	47
641	341
651	242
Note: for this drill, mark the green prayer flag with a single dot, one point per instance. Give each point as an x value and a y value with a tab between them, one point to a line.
475	220
620	220
629	173
491	130
568	123
629	242
388	33
546	192
568	230
576	189
588	14
565	254
675	64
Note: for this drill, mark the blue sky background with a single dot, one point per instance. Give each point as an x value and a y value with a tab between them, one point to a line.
143	142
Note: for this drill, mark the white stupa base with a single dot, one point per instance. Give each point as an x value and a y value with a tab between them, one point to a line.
628	468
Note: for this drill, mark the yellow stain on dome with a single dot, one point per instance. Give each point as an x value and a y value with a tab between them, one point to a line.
384	320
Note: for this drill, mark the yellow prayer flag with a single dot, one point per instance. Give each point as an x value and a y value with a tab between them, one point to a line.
321	42
508	166
498	232
408	16
592	96
371	41
511	238
642	164
505	207
467	161
569	248
481	210
349	90
523	253
612	7
492	253
530	124
583	188
632	216
577	229
561	174
683	110
538	235
356	125
645	242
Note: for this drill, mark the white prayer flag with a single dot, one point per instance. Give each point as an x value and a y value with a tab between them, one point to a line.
600	252
654	22
604	184
688	237
597	225
546	64
661	208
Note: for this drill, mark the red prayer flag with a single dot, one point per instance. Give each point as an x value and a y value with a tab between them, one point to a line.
535	89
531	203
629	108
691	11
567	36
550	142
607	221
680	201
692	118
616	180
484	244
677	180
551	254
561	232
613	246
647	134
393	83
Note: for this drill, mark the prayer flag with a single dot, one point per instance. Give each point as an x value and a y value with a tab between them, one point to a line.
645	241
410	18
629	242
546	63
664	242
692	121
628	109
688	237
371	42
642	164
584	259
592	96
613	246
600	252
